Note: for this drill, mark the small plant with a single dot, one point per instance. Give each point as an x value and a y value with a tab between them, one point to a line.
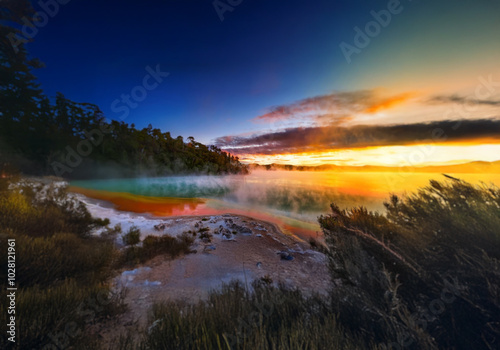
133	236
206	237
266	280
153	246
112	232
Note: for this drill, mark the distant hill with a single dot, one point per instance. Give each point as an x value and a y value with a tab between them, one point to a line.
471	167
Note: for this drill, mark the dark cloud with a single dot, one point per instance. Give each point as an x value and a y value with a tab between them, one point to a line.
462	100
336	105
294	140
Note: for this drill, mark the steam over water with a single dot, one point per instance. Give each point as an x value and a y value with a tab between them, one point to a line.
294	198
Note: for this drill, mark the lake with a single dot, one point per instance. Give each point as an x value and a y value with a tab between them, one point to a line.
291	199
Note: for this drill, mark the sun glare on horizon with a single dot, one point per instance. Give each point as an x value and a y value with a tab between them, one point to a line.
388	156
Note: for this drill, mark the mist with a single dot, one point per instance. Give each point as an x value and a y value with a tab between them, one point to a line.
295	197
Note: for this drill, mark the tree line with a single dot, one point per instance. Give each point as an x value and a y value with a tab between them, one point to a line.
75	140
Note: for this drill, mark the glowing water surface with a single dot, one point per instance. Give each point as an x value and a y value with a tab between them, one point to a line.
291	199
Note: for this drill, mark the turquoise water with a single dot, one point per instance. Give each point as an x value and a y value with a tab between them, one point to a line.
175	186
298	195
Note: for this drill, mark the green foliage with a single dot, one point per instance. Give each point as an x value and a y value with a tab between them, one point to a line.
59	313
21	100
157	245
427	274
44	261
111	232
38	209
60	266
122	150
133	236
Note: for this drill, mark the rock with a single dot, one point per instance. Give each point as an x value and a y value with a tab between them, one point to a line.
228	238
241	229
220	230
285	256
246	231
223	231
259	264
160	227
258	235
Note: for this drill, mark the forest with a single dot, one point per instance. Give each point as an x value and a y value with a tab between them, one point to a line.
45	135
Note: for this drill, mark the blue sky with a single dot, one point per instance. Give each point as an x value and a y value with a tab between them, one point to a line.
225	73
263	53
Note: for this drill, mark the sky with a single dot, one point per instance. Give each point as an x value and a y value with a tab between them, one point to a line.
346	82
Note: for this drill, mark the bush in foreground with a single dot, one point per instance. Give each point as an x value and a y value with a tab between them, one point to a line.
61	269
424	276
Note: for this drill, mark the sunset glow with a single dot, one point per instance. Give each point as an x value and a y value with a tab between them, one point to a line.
416	155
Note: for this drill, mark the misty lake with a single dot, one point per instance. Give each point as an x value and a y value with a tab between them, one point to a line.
291	199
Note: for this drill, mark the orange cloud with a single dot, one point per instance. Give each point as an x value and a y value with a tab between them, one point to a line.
307	139
338	107
389	102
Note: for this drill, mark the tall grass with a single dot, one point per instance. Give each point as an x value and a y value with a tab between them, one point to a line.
61	269
264	317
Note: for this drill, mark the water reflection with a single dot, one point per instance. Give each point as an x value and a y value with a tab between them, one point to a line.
293	200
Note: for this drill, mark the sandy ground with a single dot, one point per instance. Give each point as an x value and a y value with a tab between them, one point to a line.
246	249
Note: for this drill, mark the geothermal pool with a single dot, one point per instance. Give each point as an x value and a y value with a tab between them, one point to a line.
291	199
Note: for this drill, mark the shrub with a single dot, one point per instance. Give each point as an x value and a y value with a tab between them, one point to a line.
60	313
112	232
426	274
133	236
156	245
38	209
60	266
206	236
44	261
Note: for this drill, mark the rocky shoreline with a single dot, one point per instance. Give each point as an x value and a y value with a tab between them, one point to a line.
227	247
